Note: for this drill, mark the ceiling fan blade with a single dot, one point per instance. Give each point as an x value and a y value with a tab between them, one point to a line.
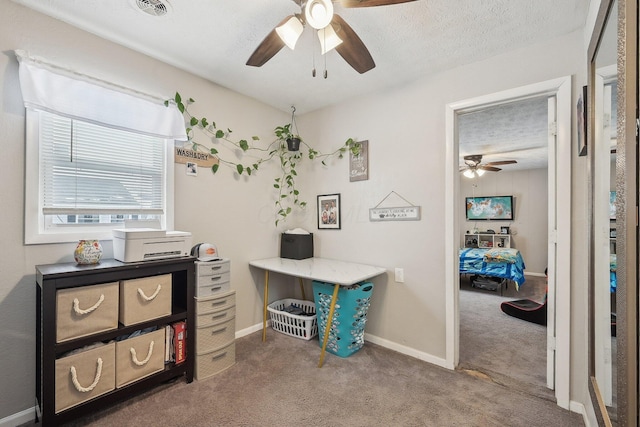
371	3
489	168
352	49
268	48
501	162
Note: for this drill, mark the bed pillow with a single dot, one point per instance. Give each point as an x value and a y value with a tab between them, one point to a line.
507	255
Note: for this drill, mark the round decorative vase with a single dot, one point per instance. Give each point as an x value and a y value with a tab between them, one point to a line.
88	252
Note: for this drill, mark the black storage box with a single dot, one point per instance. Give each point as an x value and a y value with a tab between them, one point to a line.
296	246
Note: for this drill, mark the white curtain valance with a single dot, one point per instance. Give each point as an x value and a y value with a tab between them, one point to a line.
54	89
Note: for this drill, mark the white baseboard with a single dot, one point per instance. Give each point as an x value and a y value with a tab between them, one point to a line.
375	340
579	408
251	329
425	357
22	417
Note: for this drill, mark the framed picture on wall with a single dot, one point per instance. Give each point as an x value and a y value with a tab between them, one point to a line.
581	122
329	212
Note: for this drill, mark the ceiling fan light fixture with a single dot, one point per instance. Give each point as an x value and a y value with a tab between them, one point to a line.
318	13
468	173
290	32
328	39
480	172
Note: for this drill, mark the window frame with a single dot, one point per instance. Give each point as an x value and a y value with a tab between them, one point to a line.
36	230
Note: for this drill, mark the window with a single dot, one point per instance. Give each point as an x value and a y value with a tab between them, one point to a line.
87	179
97	154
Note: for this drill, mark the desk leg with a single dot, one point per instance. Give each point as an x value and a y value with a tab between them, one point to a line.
302	288
327	327
266	302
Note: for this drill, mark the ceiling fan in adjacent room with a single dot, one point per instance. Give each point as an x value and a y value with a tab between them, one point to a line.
474	166
333	32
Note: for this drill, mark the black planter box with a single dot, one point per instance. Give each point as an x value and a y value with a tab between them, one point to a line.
296	246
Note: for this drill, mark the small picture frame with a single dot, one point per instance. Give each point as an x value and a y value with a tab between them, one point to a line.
612	233
329	212
504	230
192	168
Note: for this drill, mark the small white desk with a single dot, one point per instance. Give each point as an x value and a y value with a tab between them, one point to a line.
340	273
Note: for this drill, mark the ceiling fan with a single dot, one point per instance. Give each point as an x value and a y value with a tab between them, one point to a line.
333	32
474	166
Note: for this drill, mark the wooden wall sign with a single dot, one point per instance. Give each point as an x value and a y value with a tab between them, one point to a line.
185	155
407	213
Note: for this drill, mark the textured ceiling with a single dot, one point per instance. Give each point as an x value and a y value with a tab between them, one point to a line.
214	39
513	131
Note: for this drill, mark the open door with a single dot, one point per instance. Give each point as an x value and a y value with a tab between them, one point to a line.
552	241
558	93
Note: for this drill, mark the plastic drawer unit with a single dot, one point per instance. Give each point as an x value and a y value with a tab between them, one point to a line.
213	277
215	318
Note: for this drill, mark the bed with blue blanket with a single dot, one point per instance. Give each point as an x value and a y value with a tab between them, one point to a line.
506	263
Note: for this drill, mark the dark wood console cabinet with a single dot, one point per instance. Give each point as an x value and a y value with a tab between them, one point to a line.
54	277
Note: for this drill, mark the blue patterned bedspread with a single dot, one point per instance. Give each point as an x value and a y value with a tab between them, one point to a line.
473	261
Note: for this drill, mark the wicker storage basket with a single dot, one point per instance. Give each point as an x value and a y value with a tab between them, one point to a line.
299	326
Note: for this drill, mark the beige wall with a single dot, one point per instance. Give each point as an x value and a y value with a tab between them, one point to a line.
234	213
406	130
529	228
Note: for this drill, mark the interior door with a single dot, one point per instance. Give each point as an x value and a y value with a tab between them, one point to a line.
552	241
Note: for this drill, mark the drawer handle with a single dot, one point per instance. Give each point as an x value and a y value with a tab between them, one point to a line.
78	310
217	267
219	356
134	356
214	303
218	316
155	294
74	378
217	331
213	279
215	288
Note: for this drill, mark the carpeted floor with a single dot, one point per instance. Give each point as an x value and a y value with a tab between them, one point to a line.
277	383
509	350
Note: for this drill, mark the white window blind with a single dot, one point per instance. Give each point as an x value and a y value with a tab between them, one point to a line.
96	154
91	169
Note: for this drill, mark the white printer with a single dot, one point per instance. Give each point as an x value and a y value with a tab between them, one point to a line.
145	244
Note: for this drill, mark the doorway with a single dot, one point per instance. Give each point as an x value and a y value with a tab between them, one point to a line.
558	226
511	141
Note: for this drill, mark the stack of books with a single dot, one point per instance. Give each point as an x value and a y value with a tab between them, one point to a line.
176	339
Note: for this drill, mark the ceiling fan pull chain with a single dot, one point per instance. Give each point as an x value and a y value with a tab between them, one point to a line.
324	36
325	65
313	55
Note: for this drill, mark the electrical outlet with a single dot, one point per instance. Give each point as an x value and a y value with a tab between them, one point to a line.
399	275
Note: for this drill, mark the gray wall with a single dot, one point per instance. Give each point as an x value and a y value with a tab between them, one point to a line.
406	131
529	229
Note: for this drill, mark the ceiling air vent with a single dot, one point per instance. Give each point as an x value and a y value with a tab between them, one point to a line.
153	7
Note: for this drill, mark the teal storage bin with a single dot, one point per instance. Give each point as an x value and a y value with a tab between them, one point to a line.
349	317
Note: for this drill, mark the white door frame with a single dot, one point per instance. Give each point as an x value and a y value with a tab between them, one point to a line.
561	88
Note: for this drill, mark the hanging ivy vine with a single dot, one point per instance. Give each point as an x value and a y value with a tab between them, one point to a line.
288	195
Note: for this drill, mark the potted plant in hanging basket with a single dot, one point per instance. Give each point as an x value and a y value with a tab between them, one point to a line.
285	148
284	133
